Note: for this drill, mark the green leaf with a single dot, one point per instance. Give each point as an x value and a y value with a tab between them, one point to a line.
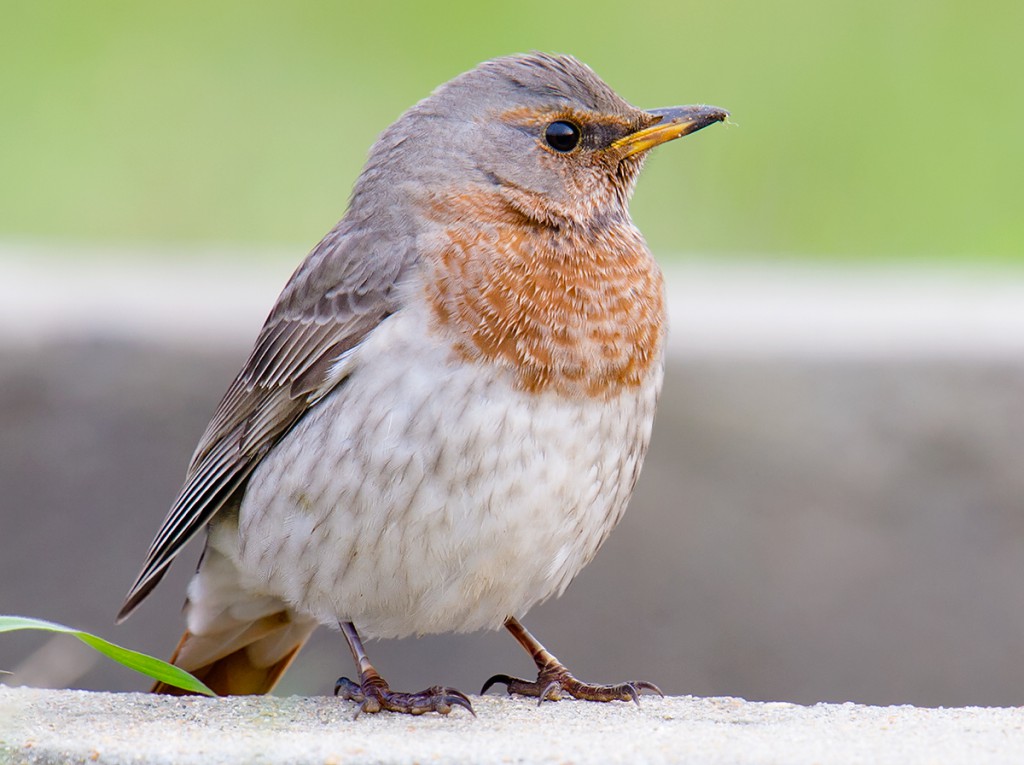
140	662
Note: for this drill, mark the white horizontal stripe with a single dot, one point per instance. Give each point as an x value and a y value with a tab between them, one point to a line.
220	299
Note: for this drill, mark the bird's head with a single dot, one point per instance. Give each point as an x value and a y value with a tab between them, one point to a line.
542	132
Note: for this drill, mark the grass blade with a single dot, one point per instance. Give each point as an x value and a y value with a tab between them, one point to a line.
140	662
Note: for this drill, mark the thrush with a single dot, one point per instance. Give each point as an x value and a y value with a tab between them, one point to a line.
446	411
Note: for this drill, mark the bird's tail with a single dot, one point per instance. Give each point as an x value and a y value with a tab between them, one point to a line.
238	642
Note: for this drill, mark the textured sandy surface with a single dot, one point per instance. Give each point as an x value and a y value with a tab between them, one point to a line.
38	726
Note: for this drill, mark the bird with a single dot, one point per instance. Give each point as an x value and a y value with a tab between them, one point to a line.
447	409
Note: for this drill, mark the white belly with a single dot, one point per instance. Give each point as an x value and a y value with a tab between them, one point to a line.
427	495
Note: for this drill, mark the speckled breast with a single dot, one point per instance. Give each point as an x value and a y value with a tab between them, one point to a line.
485	444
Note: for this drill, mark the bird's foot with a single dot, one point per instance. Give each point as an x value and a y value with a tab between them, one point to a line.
554	679
374	695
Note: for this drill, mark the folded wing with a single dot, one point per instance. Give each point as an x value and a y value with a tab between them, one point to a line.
340	293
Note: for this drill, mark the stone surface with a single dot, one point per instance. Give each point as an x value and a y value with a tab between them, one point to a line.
38	726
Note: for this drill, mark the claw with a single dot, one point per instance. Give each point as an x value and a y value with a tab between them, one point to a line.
643	685
506	679
459	699
551	691
350	688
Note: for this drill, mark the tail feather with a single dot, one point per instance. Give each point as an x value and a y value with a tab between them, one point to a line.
251	669
239	641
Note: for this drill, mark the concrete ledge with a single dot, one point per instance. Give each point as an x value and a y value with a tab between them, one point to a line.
41	726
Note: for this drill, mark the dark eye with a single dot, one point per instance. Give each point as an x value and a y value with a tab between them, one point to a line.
562	136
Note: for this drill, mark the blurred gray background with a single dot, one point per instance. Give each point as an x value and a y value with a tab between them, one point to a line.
838	524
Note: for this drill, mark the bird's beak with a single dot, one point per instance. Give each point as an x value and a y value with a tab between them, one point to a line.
674	122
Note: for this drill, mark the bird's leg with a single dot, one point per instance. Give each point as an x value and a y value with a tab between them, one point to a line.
373	694
553	678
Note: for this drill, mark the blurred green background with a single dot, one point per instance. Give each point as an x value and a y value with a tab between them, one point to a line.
865	130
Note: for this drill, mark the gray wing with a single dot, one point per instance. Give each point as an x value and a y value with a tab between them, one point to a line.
344	289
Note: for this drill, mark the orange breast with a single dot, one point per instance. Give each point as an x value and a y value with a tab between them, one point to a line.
578	311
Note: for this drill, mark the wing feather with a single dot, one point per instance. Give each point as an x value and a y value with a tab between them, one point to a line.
345	288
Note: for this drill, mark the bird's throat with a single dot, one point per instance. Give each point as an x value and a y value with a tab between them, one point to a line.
580	312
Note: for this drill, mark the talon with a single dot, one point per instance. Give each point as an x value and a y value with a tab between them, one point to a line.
551	691
506	679
643	685
351	690
631	690
459	699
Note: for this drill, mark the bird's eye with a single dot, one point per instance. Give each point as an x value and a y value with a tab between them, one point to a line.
562	136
